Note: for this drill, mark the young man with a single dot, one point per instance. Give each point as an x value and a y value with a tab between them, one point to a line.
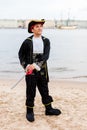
33	55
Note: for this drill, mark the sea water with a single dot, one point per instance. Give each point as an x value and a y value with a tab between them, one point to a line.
68	54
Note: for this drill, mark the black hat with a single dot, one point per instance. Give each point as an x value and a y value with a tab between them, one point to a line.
33	22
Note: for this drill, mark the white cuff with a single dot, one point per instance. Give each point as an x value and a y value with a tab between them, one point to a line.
36	67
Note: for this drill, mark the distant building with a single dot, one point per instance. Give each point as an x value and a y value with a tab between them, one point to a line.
26	23
49	24
6	23
21	23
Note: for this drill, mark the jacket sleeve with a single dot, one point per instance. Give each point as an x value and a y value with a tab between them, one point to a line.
22	54
46	50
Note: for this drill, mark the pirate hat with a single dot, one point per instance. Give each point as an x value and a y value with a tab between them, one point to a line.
33	22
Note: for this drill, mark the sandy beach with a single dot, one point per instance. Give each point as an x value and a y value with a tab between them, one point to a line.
69	96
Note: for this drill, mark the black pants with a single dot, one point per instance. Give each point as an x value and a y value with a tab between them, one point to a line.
40	81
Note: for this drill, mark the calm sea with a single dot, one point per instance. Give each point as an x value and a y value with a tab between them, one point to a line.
68	55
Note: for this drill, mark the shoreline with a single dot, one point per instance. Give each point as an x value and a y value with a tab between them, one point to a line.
79	79
69	96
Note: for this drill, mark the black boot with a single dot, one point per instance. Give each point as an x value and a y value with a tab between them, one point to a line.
30	114
51	111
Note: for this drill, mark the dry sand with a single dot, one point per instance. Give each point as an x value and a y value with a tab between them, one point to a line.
69	96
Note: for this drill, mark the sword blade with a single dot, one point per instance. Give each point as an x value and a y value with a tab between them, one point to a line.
17	82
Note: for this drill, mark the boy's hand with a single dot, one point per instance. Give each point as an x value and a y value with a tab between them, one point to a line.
29	69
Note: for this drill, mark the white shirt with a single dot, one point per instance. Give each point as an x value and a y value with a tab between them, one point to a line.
37	45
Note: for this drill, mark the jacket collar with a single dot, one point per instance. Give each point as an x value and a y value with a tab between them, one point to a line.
43	38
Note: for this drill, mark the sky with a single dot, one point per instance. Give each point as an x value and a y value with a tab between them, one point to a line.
43	9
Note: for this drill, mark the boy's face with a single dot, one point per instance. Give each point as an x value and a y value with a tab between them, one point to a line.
37	29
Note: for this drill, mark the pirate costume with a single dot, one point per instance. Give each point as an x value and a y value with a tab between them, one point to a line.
36	51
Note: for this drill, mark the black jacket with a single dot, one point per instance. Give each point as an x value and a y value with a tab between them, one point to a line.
26	53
